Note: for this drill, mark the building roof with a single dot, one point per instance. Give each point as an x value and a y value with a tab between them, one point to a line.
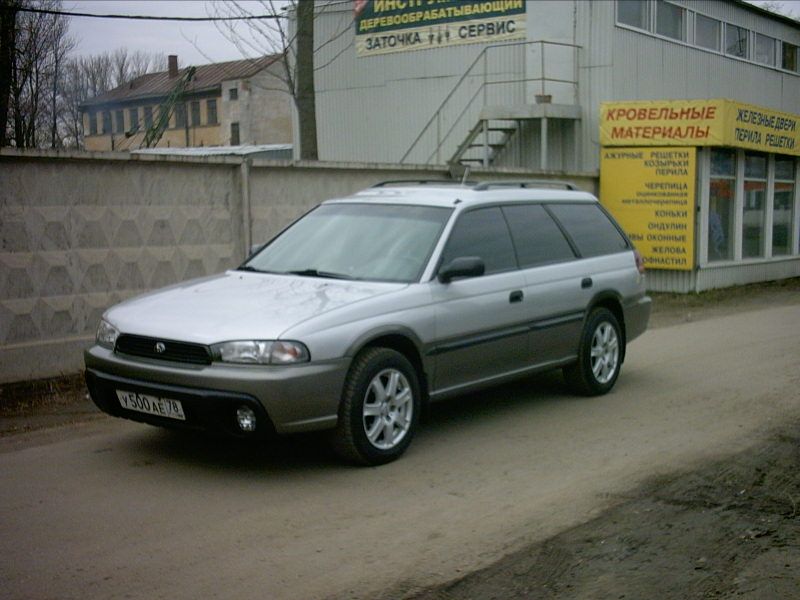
159	85
252	150
767	13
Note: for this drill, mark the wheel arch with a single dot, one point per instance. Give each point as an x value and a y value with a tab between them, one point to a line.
612	301
402	340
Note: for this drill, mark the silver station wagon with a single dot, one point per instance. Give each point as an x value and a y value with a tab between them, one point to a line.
370	306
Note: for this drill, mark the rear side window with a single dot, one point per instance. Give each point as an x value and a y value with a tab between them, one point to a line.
590	228
536	236
482	233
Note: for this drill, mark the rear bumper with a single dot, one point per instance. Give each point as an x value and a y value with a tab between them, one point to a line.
637	316
286	399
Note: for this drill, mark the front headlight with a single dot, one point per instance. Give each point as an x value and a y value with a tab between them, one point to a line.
261	352
106	335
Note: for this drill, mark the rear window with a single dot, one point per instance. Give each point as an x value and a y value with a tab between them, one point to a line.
590	229
537	238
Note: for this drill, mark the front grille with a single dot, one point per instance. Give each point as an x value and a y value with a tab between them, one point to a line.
184	352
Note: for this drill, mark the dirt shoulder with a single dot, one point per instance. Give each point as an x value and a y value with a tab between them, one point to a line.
671	309
34	405
730	529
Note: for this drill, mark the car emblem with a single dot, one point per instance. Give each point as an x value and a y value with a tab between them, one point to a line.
160	347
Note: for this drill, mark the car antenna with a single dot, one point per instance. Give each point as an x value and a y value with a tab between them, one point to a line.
465	176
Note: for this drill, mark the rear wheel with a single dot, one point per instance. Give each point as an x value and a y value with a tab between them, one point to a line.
380	408
599	356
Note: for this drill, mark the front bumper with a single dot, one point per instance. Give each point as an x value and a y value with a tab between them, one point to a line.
286	399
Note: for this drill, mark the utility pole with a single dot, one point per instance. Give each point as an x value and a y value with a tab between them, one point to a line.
8	39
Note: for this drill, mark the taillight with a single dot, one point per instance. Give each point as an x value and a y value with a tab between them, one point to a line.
639	261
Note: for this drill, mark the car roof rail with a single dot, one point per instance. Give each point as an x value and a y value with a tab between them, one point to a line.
390	182
525	183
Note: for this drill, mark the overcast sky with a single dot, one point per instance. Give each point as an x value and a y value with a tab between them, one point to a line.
194	43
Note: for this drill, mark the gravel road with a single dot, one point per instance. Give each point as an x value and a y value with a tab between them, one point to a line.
112	509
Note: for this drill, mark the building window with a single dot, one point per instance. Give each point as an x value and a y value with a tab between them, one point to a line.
233	94
670	20
707	32
133	114
789	56
721	204
736	40
633	12
120	118
106	122
782	205
765	49
234	134
195	113
754	205
211	112
148	116
180	115
92	123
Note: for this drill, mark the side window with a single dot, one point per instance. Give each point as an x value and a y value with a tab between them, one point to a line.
589	227
536	236
482	233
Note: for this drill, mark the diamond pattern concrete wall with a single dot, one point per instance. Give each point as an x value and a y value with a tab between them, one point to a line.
80	232
79	236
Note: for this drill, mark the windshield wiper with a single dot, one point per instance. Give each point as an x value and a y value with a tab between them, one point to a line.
315	273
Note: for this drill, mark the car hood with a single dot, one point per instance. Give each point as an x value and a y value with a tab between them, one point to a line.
238	305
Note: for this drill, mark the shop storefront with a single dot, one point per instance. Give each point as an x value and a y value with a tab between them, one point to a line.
709	190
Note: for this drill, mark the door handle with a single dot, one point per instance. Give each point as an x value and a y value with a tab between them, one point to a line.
586	282
515	296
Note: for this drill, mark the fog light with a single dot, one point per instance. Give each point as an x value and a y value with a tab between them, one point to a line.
246	418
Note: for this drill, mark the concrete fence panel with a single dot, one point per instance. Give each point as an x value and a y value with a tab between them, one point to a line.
80	232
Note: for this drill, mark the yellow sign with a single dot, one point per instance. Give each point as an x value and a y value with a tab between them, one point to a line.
651	192
713	122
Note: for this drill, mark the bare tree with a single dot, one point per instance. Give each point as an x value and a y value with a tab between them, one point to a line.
779	8
62	45
32	73
86	77
34	48
288	33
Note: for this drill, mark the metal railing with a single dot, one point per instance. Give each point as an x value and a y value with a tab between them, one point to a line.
460	110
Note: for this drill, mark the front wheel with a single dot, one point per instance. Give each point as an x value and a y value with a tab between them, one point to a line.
380	408
599	355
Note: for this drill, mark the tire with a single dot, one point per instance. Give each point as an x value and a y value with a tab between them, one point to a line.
599	356
380	408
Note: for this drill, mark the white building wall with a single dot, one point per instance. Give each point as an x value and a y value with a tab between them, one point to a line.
263	109
625	64
373	108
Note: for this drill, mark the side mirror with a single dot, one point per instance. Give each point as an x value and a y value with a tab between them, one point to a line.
463	266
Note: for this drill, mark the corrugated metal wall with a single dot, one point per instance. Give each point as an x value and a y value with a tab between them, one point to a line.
622	64
710	278
373	108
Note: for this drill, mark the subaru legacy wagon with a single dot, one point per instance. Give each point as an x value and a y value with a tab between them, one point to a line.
370	306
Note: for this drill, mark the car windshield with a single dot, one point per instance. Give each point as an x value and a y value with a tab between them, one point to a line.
375	242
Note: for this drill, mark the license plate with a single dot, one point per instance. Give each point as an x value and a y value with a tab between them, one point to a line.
151	405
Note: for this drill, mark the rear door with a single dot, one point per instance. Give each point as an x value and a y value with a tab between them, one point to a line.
553	296
597	270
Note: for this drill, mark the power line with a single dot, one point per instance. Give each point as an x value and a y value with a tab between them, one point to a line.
64	13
